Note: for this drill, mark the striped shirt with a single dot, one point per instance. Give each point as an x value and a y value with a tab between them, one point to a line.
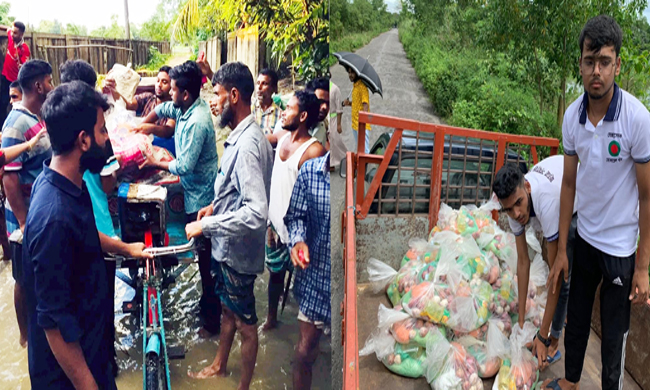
266	119
21	125
308	220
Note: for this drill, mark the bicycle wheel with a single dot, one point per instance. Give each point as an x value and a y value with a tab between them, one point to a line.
155	373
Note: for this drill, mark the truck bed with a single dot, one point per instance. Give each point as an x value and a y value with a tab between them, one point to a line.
373	374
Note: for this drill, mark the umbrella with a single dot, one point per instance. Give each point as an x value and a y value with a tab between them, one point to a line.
363	68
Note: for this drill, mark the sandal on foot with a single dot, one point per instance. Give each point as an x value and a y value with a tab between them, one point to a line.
553	385
552	359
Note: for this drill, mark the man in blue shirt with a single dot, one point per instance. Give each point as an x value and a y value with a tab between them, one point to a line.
196	163
308	221
64	273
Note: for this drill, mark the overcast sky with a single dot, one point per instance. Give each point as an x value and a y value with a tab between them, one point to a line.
91	13
94	14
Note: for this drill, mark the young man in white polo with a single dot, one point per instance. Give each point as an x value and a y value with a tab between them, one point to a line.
534	200
608	131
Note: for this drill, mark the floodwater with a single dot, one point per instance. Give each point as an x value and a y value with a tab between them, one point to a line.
273	369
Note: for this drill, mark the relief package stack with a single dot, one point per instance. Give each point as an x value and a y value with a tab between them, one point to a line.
455	304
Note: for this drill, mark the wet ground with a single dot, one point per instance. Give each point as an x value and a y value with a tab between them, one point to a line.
273	369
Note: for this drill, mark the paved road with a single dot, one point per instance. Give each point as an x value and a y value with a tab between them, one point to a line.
403	97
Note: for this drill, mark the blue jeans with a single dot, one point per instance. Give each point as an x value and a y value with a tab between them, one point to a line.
563	299
356	139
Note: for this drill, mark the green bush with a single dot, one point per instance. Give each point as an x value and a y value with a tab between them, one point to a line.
469	88
353	42
156	60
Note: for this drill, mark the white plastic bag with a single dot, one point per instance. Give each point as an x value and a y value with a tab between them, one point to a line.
403	359
126	80
450	367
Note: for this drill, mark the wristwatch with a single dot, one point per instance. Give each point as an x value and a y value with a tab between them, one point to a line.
546	342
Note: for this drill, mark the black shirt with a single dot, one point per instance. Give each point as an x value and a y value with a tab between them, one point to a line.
65	281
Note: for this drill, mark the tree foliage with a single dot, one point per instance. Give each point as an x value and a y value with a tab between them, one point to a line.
298	29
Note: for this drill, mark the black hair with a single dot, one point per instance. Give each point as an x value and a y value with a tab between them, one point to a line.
318	83
236	75
309	103
20	25
347	70
188	78
69	109
601	31
165	69
16	85
270	73
507	180
32	71
78	70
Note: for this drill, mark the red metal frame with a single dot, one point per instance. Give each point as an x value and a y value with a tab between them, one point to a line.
364	199
359	208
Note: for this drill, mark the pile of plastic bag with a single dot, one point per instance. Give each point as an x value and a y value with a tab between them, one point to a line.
455	306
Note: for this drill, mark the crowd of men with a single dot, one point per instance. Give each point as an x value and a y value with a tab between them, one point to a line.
266	200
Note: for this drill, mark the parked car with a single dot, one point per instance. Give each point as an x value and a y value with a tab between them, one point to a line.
466	176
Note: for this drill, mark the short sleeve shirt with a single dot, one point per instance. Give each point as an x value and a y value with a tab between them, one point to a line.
545	181
65	282
20	126
335	100
606	186
359	96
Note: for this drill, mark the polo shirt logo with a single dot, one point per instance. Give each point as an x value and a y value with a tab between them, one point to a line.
614	148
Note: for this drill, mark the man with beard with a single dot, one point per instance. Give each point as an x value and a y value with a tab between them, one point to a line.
196	163
65	278
606	130
23	123
99	184
318	129
294	148
534	200
143	104
236	219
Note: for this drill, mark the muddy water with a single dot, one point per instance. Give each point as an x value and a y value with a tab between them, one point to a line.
273	369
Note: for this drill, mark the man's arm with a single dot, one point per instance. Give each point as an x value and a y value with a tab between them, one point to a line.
640	279
11	184
523	274
109	183
339	128
13	152
549	311
71	359
163	131
111	245
189	152
255	210
567	198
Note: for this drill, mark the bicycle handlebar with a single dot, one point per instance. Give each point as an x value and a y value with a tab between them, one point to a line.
160	251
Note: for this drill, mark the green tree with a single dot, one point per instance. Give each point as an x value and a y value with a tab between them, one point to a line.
296	28
5	19
115	31
75	29
50	26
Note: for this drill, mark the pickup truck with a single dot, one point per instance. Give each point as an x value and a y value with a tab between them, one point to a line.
466	174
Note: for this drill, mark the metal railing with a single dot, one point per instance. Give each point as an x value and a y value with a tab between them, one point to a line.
504	147
423	164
